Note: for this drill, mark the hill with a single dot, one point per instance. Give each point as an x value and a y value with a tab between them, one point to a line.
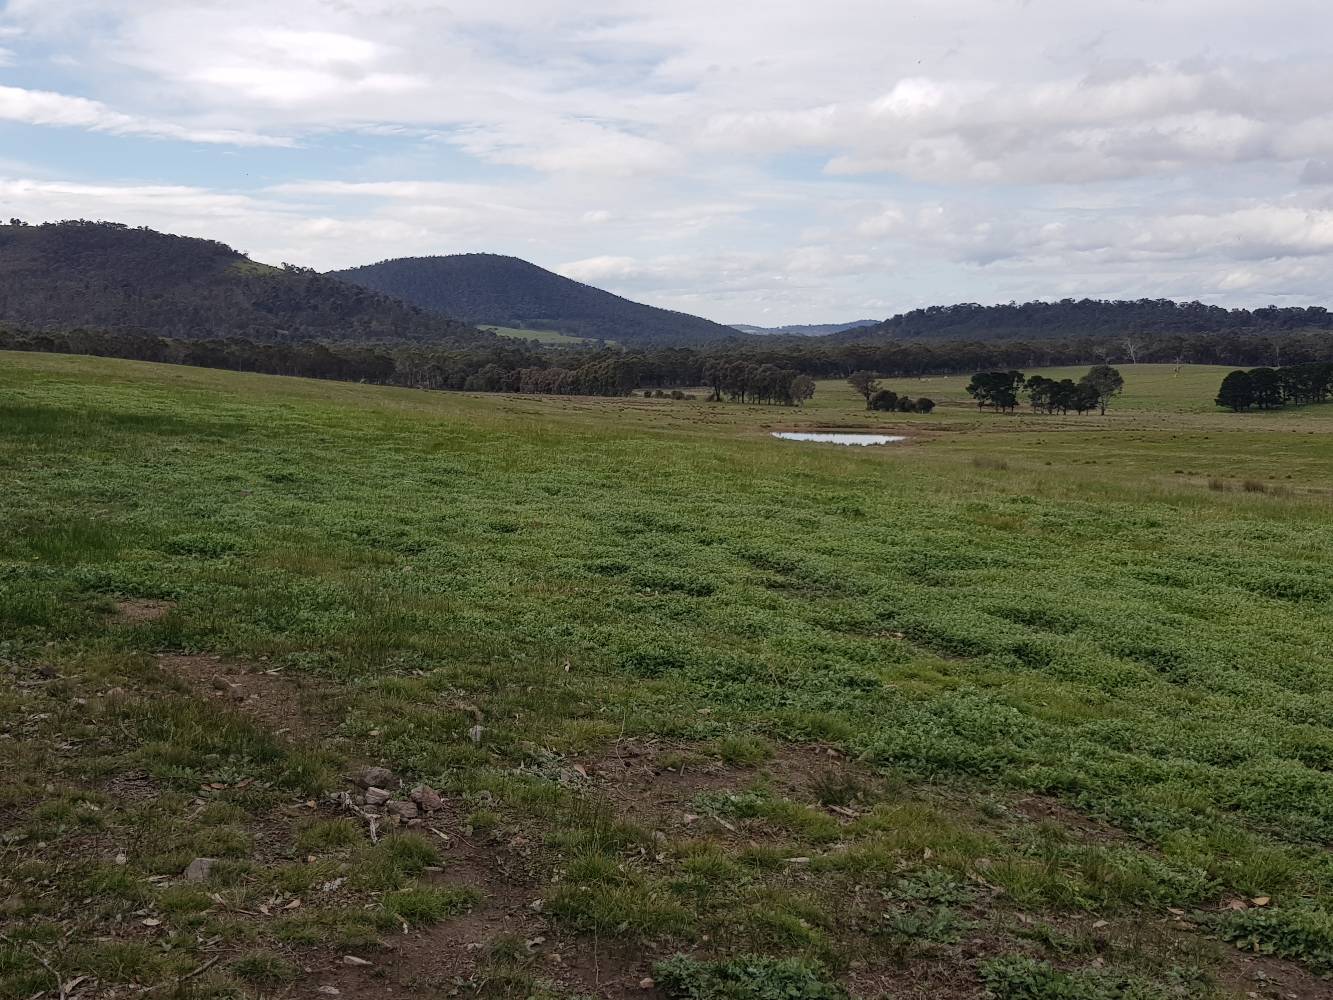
494	290
804	329
106	276
1085	318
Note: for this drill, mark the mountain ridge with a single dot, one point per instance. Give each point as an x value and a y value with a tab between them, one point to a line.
108	276
499	290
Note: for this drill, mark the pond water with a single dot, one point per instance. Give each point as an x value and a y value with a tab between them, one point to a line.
831	437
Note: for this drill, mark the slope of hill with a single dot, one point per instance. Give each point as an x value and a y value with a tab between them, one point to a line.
490	289
804	329
106	276
1085	318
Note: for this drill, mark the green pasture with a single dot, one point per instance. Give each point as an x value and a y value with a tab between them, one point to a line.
1028	704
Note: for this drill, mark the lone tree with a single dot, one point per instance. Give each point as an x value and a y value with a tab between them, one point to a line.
1106	381
802	388
865	383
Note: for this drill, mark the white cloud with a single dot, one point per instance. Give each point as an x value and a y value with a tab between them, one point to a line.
44	107
763	155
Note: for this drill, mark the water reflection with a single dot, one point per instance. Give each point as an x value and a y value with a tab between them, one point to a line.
830	437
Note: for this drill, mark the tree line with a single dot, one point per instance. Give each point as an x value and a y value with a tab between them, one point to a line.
1272	388
1000	391
498	366
1129	321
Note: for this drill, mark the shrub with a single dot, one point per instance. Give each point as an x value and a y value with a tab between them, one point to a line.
746	978
1303	934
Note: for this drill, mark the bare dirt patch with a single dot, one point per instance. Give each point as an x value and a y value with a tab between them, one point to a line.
283	702
139	611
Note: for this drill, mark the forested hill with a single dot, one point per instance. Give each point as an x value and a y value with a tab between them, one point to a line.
490	289
1084	318
106	276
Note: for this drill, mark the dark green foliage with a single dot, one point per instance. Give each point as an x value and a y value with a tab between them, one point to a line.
1303	934
886	400
747	382
998	390
883	399
1105	382
1084	319
745	978
105	276
490	289
1021	978
1236	393
1051	396
1270	388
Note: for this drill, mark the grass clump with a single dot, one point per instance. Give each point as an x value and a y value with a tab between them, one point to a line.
746	978
743	751
329	835
394	861
425	905
265	968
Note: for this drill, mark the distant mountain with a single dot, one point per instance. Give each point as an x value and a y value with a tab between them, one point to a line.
804	329
105	276
492	290
1109	319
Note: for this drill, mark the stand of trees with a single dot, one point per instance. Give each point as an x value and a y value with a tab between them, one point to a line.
876	398
1000	390
747	382
1272	388
888	400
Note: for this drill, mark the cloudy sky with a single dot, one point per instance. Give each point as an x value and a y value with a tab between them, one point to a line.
761	161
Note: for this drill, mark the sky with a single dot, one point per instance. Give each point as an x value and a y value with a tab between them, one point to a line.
783	161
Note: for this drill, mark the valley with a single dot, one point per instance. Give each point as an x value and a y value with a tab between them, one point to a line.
1026	704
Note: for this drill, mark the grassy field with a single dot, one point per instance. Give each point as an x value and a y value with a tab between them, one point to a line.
539	336
1034	707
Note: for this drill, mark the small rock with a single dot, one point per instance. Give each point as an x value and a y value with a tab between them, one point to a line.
647	983
376	777
353	960
377	796
330	991
428	798
199	869
402	808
